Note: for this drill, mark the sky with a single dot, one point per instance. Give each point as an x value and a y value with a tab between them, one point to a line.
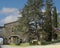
9	10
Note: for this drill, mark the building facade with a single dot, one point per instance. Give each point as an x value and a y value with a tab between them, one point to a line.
9	34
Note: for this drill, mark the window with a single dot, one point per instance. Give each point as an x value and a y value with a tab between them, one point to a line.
12	29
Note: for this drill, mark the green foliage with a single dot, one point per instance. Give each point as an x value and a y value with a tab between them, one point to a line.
55	17
48	20
33	10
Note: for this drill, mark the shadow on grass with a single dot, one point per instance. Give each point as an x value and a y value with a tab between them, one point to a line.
48	43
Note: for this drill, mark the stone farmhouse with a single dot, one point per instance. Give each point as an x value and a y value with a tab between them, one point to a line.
9	35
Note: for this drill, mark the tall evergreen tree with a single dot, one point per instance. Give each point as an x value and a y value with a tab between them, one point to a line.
54	22
32	18
30	14
48	25
55	17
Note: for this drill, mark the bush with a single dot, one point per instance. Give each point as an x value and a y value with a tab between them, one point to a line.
35	42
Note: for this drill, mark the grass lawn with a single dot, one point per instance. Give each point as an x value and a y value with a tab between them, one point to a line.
22	44
42	43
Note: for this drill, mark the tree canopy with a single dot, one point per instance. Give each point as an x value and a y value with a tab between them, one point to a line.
34	20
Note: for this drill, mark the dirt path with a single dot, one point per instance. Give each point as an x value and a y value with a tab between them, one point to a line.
46	46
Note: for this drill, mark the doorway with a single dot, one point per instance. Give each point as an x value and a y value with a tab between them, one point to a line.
1	41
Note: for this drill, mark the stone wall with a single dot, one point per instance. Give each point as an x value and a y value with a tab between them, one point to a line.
9	31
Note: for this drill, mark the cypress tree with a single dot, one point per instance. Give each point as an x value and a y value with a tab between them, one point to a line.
48	25
55	17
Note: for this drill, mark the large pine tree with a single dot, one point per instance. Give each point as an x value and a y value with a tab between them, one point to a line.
31	13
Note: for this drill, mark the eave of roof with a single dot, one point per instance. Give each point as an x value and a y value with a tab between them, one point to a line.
10	22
